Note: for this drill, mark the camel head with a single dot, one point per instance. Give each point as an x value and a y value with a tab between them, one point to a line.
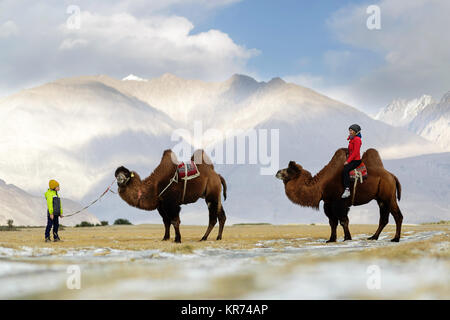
124	176
291	172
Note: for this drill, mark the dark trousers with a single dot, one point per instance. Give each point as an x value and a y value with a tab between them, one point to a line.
346	172
52	223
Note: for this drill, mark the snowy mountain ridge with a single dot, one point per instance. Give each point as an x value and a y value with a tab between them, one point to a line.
423	116
132	77
79	130
401	112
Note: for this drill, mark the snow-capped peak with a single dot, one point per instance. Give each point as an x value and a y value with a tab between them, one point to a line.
445	98
133	78
401	112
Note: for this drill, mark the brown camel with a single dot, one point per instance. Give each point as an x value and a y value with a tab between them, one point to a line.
381	185
146	194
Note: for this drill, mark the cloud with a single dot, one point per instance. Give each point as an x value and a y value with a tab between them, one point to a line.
8	29
335	60
114	38
412	45
306	80
406	58
319	84
154	45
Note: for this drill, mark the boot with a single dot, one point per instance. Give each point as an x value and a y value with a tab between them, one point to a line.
47	239
346	193
56	238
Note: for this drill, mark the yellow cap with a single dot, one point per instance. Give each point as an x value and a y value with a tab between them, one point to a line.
53	184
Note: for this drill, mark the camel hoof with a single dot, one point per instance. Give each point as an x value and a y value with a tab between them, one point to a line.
165	239
202	239
372	238
331	240
219	238
177	241
395	240
345	239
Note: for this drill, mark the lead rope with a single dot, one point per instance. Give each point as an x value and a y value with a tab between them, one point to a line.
106	191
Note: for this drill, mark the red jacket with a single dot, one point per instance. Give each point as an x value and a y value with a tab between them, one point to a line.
354	146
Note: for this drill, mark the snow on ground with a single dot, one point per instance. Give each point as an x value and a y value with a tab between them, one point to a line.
267	271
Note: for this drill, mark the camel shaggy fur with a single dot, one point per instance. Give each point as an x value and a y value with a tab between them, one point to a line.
381	185
146	194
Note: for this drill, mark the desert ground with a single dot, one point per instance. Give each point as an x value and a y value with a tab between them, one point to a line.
251	262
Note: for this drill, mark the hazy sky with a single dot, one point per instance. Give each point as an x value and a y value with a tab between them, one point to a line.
324	45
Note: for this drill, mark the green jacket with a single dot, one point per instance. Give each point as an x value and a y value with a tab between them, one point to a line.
53	202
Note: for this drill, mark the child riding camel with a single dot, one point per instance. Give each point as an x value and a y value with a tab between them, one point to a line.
354	156
54	210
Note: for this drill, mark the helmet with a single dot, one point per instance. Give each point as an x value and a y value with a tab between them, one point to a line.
355	128
53	184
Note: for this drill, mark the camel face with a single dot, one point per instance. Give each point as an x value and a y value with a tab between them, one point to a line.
123	176
148	194
282	174
291	172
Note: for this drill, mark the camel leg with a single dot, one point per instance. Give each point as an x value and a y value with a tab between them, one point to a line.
398	217
166	222
332	220
222	218
176	225
167	231
174	213
333	224
212	207
384	219
344	223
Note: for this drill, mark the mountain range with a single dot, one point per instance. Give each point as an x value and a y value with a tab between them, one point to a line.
79	130
28	210
423	116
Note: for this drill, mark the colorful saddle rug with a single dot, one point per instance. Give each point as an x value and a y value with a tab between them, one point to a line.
359	173
188	171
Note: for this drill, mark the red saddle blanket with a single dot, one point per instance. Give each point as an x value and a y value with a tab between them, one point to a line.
188	170
361	168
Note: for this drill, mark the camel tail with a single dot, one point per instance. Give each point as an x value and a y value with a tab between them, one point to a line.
224	184
399	188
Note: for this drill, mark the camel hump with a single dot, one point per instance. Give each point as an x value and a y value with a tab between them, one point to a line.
168	153
200	157
340	153
372	158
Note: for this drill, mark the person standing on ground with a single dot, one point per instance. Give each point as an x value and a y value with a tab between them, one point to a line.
54	210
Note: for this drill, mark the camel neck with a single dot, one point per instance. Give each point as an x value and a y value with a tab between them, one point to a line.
306	195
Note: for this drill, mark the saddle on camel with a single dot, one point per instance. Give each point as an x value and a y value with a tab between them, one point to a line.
376	184
172	184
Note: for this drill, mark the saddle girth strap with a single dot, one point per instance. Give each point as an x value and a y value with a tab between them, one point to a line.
185	182
358	175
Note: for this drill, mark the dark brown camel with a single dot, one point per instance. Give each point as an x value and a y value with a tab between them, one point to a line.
381	185
144	194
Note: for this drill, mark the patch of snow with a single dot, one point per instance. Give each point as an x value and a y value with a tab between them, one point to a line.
159	274
132	77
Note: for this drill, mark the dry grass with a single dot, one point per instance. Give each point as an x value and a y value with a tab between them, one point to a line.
146	237
109	277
